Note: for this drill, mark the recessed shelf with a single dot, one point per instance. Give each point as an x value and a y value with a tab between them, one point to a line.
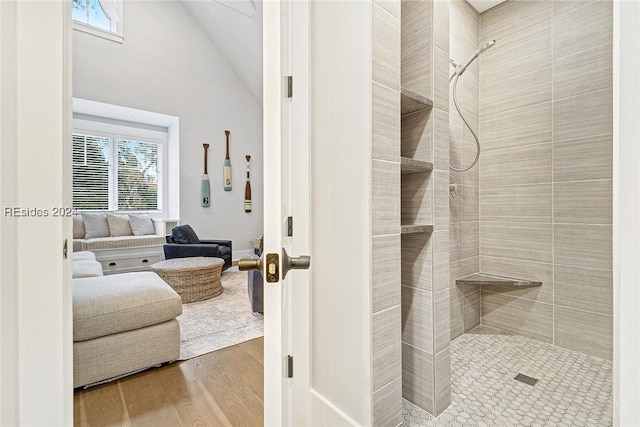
416	228
411	102
491	280
408	165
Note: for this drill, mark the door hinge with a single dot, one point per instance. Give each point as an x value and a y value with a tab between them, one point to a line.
289	86
65	248
290	226
289	366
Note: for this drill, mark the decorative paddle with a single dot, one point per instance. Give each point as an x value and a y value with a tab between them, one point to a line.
227	166
247	188
205	187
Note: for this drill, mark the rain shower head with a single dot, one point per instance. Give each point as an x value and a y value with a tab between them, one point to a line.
485	47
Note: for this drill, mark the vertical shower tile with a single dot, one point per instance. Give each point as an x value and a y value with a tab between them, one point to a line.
386	347
443	380
417	377
385	49
441	79
441	200
416	47
471	311
441	24
442	315
456	309
416	198
519	316
471	239
385	123
387	404
585	332
417	318
417	259
386	264
440	140
416	135
440	260
385	202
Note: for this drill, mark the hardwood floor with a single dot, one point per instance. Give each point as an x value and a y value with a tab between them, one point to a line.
222	388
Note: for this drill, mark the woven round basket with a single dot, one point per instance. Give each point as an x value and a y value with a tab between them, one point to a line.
194	279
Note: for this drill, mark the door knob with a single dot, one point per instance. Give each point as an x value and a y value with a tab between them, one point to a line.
303	262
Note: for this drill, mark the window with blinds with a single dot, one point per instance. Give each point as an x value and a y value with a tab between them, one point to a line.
115	173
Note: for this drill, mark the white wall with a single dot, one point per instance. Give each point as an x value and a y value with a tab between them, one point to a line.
167	64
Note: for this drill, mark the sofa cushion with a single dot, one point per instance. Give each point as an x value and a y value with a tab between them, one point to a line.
141	224
184	234
122	242
78	227
83	255
86	268
224	250
119	225
121	302
95	224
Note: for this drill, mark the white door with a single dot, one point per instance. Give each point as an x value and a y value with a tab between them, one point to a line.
296	324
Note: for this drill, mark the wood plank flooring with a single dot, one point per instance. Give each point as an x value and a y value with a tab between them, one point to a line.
221	388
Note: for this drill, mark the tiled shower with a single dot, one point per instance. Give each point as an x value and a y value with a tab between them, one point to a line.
537	206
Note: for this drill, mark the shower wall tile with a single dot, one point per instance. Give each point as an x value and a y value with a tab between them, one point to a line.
517	90
584	289
517	240
584	71
443	380
416	47
516	166
386	272
455	242
416	136
386	347
456	309
391	6
440	260
441	200
441	79
471	203
387	404
470	265
523	203
541	272
581	245
583	158
470	239
416	198
441	24
517	127
441	140
471	311
442	315
417	377
417	261
585	332
583	115
385	48
385	123
385	200
519	316
506	58
516	22
417	318
580	25
587	202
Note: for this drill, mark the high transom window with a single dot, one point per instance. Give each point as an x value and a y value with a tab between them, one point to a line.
99	17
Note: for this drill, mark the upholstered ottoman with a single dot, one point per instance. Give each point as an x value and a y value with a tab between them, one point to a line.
123	323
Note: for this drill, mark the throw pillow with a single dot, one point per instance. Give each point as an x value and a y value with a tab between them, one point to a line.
119	225
141	224
78	227
95	224
184	234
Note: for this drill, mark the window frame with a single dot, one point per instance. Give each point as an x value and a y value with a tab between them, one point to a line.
136	132
115	36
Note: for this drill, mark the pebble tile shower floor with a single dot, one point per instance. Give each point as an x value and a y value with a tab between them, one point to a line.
573	389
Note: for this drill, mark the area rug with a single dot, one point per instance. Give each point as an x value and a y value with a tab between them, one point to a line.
219	322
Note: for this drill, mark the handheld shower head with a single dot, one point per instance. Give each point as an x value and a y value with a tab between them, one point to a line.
485	47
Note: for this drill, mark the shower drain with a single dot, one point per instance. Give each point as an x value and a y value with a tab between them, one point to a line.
526	379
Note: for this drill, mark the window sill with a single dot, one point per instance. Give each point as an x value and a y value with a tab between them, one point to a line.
107	35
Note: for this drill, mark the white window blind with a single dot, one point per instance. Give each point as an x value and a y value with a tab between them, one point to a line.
115	173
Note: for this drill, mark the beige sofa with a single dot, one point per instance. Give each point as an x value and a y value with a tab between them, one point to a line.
122	324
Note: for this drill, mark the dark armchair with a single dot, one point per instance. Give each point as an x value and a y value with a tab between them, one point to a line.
184	243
